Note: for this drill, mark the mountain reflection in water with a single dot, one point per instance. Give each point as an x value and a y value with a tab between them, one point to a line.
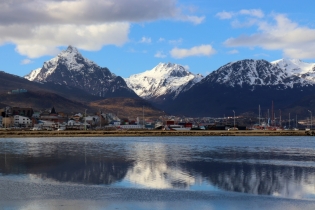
230	164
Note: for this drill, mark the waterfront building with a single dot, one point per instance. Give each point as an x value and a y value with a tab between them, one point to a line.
21	121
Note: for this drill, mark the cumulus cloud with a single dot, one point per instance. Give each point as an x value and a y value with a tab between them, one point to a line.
160	54
283	34
44	40
39	27
202	50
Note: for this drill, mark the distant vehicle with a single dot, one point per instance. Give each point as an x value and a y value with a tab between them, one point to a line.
61	129
307	129
233	129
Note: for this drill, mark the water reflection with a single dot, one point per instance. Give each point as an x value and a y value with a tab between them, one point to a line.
264	170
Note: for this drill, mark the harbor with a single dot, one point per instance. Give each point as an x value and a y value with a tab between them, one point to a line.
122	133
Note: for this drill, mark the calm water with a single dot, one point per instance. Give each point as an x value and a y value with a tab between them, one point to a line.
158	173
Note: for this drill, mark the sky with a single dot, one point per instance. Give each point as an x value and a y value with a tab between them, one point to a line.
132	36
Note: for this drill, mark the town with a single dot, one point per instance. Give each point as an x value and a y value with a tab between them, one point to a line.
19	118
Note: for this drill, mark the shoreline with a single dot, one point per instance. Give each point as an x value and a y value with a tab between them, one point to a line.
134	133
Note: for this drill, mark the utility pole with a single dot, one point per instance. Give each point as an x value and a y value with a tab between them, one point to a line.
100	119
280	123
143	116
311	118
85	120
5	116
234	118
259	114
272	115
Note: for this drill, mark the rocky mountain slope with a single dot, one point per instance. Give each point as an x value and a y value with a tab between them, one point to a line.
72	69
243	85
164	81
258	73
65	98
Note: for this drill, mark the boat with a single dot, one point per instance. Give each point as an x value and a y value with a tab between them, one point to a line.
179	128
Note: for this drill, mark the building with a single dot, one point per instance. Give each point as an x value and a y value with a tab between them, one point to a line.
52	116
21	121
27	112
18	91
7	122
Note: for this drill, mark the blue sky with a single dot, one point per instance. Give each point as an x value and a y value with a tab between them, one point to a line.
132	36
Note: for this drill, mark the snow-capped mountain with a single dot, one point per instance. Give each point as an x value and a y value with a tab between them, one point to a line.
164	80
282	73
72	69
297	68
243	85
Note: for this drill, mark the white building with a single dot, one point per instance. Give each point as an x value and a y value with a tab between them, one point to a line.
22	121
92	120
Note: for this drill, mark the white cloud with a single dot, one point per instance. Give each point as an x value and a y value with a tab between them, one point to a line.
257	13
145	40
26	61
160	54
295	41
193	19
44	40
252	12
224	15
231	52
40	27
202	50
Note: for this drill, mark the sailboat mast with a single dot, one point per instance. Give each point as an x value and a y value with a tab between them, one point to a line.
272	114
259	114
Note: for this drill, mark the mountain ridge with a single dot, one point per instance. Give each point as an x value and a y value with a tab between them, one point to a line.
166	80
70	68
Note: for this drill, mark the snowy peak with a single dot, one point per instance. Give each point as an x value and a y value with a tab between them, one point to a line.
170	69
253	73
295	66
166	79
70	68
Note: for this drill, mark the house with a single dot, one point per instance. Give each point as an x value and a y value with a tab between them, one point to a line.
52	116
90	119
21	121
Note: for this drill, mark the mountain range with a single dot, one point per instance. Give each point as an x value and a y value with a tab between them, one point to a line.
239	86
